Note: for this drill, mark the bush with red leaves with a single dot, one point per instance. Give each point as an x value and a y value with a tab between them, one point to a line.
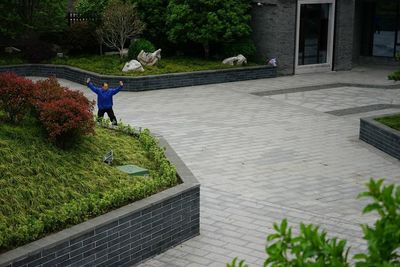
66	120
50	90
15	95
66	115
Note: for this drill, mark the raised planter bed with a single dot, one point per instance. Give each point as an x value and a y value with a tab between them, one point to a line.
144	83
380	136
125	236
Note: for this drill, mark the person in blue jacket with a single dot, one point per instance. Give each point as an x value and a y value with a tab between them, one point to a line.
105	99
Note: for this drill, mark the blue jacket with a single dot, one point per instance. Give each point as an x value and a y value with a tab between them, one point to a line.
104	97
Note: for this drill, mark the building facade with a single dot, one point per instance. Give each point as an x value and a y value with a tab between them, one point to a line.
325	35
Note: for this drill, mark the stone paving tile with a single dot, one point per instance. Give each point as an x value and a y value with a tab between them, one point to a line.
340	98
260	160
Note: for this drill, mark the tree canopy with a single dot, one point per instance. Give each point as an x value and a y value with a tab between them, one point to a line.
91	8
206	21
19	17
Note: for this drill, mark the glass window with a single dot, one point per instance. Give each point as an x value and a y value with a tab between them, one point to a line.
313	42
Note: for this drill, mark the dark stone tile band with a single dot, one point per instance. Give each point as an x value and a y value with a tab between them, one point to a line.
380	136
125	236
324	86
363	109
145	82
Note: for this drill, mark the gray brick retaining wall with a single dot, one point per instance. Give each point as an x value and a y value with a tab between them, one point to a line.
146	82
122	237
380	136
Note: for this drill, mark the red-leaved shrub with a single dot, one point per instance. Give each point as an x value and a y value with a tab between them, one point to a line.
66	115
49	90
66	120
15	95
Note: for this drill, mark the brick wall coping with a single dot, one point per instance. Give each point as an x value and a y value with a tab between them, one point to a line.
150	82
381	136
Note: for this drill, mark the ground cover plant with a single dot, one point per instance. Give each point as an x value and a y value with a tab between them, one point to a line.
395	76
44	189
7	59
391	121
311	247
112	65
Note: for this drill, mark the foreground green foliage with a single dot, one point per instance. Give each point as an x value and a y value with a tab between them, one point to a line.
384	236
391	121
44	189
312	248
113	65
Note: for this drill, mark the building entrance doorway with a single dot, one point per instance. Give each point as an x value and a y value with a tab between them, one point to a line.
315	26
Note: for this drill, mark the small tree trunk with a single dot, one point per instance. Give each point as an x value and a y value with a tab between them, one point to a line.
121	51
206	47
101	49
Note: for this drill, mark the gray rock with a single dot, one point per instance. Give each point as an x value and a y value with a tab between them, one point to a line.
149	59
238	60
133	65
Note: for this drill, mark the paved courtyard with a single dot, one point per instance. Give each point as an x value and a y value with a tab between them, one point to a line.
270	155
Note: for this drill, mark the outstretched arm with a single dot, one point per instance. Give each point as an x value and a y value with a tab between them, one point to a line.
119	88
92	87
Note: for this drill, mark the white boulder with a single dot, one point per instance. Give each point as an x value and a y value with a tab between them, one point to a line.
238	60
133	65
149	59
273	62
11	49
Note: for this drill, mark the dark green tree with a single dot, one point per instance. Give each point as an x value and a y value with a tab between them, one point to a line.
19	17
154	14
208	21
91	8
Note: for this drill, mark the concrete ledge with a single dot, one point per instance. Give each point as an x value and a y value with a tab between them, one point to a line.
145	82
125	236
380	135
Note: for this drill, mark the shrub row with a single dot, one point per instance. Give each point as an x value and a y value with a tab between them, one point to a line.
65	115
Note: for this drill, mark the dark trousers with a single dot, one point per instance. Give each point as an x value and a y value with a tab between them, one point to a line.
110	113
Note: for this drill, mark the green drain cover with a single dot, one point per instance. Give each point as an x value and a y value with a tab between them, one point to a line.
133	170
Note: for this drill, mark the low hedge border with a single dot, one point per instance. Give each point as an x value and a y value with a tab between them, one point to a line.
380	136
144	83
125	236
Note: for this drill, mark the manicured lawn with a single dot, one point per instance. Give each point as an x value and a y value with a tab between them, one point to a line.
391	121
113	65
44	189
7	59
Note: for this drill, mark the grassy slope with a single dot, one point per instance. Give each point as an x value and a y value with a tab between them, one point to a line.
391	121
36	176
